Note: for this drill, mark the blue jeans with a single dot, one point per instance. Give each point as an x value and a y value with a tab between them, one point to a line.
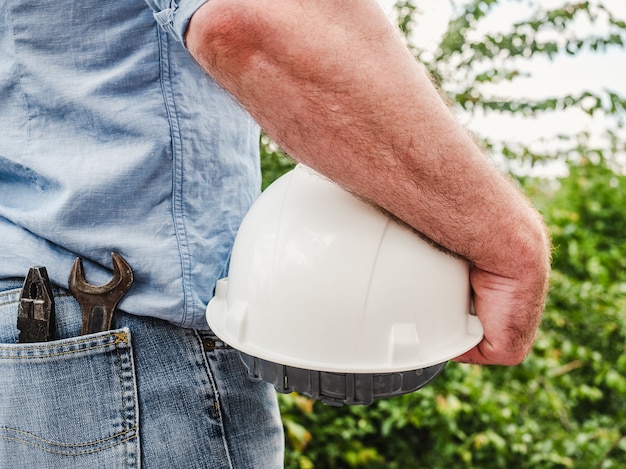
145	394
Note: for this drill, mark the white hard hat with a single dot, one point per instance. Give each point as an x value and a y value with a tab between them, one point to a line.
322	282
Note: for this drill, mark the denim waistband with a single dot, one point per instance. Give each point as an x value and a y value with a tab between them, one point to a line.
10	284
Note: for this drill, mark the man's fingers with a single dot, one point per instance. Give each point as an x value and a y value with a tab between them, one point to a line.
509	320
486	354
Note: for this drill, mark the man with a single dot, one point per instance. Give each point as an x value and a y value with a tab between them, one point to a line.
118	135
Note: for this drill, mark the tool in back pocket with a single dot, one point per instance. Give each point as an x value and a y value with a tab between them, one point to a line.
35	316
99	302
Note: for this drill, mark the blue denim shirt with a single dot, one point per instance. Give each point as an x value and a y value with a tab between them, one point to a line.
113	139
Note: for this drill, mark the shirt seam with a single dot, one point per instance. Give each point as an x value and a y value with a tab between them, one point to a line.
178	208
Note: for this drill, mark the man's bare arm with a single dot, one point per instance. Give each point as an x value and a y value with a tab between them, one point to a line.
333	84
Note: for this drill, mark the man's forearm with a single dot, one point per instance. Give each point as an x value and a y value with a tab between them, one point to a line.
333	84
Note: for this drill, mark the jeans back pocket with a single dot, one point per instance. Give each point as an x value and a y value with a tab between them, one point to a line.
69	403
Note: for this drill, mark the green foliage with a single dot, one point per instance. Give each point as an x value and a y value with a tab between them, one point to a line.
589	224
274	161
565	407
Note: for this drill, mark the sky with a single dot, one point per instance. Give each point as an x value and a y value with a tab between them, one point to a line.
587	71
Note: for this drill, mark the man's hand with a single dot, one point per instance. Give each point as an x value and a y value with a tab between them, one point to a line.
509	322
334	85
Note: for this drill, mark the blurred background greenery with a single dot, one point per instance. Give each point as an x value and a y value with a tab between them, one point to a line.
565	406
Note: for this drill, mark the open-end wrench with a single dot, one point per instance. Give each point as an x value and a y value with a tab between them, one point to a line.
99	302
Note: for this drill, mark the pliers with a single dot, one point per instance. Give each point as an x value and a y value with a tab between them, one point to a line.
35	317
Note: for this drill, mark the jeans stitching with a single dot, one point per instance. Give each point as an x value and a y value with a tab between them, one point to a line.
6	295
69	453
43	346
216	394
48	355
124	404
65	445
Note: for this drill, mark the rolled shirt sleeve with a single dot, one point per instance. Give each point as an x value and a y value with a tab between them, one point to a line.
173	16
